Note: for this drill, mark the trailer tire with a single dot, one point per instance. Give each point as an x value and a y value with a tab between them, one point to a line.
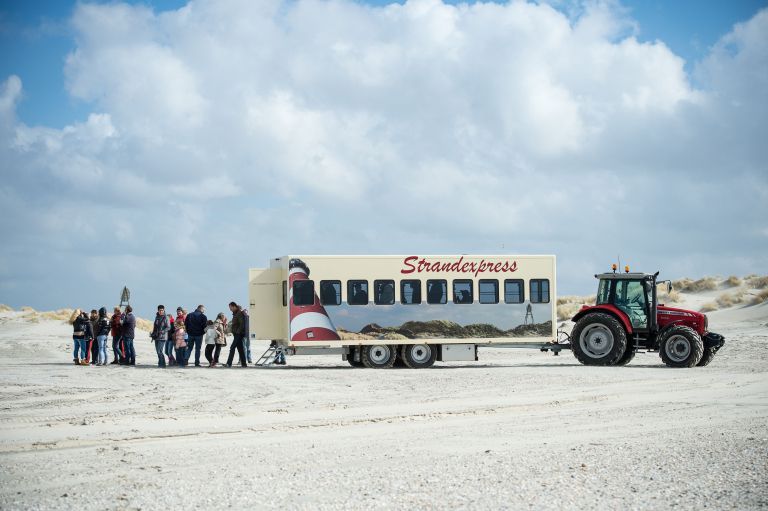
680	346
379	356
351	358
598	339
418	356
706	358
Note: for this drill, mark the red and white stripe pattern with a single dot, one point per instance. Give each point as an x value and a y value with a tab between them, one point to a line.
308	322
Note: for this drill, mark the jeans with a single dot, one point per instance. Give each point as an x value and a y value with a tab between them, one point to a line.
237	344
247	346
197	342
116	347
182	356
160	349
82	346
169	345
102	340
130	353
77	348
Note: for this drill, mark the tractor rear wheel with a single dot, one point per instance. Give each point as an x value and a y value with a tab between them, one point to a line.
706	358
598	339
627	357
680	346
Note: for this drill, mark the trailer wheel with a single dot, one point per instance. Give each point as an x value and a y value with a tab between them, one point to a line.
598	339
627	357
351	358
379	356
680	346
706	358
418	356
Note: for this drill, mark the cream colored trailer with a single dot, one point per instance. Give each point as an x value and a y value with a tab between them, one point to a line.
380	310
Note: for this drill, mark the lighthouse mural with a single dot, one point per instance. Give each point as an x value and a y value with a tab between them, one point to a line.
309	322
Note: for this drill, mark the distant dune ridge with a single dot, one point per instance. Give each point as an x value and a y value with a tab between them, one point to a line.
706	294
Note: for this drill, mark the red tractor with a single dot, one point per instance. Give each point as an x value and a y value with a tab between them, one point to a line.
627	318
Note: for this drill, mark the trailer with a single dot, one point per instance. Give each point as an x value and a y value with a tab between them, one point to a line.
410	310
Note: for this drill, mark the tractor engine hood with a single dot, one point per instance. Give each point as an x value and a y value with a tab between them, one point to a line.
668	315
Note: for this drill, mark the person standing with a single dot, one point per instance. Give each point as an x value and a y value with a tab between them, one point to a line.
93	347
246	335
81	332
102	334
215	338
170	345
160	329
180	342
128	332
238	332
114	323
195	323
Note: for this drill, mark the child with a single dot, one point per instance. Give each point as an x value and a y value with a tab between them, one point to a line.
181	343
210	342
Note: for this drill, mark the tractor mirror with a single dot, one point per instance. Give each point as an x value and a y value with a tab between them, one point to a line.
669	286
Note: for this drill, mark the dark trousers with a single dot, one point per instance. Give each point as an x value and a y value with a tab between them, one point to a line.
130	353
116	347
197	342
159	347
182	356
212	352
94	348
237	344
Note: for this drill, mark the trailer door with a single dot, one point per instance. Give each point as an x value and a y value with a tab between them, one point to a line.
266	313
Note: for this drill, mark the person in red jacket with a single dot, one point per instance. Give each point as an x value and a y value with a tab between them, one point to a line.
115	324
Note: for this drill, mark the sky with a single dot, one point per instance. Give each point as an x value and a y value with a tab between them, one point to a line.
170	145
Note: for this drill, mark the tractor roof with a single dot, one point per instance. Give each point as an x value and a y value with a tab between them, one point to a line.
624	276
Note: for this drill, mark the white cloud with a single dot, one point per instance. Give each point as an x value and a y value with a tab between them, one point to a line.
224	133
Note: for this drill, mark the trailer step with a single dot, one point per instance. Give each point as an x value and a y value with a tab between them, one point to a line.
268	357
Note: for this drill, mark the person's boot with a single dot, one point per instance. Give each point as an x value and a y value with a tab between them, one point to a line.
115	361
76	361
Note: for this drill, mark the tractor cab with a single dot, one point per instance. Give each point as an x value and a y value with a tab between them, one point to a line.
634	294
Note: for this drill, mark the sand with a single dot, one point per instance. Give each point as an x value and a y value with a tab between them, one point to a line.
519	429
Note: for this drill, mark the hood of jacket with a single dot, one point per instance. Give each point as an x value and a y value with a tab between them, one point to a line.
103	312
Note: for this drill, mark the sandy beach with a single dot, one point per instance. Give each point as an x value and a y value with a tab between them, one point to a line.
518	429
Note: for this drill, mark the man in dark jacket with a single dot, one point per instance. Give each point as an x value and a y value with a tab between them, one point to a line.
93	347
195	324
128	331
160	329
115	326
238	331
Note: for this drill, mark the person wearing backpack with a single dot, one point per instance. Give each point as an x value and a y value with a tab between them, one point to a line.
102	334
160	329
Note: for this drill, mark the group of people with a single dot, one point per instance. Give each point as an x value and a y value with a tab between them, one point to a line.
175	338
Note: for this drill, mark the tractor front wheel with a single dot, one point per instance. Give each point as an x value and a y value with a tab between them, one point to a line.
598	339
680	346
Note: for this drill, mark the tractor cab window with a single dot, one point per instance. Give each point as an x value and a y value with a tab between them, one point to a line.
604	292
630	298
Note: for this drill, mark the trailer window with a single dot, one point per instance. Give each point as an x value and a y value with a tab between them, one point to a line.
410	292
357	292
330	292
514	292
488	290
462	291
437	291
539	291
285	293
304	292
384	292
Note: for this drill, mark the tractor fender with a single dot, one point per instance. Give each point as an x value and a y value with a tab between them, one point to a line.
608	309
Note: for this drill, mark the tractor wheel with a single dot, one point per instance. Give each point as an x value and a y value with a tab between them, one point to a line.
627	357
706	358
380	356
598	339
351	358
680	346
417	356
